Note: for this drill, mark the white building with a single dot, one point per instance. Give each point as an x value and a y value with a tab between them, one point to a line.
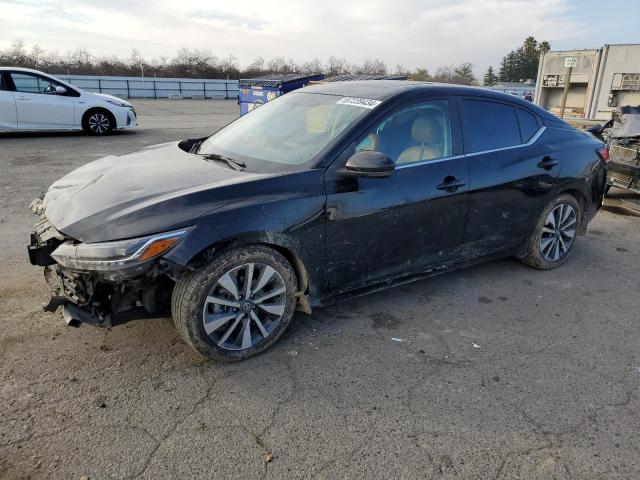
602	80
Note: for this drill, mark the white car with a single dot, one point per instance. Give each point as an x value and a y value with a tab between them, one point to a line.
32	100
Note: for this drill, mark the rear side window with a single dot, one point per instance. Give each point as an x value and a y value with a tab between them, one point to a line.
528	125
3	85
488	125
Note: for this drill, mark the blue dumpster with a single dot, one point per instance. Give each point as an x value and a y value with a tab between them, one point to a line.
256	91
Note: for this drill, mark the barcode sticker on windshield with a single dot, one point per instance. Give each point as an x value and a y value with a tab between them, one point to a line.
359	102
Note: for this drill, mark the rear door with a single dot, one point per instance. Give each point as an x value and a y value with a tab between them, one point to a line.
512	166
8	116
38	106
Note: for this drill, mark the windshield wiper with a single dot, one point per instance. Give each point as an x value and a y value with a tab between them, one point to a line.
230	162
196	146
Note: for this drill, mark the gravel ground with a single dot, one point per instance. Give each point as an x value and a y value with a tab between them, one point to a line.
502	372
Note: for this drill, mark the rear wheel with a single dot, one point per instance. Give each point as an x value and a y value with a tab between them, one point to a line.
98	122
238	305
552	240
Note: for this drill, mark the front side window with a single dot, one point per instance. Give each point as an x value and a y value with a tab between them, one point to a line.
412	134
28	83
488	125
287	133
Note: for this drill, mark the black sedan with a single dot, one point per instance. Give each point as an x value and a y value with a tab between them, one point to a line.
331	191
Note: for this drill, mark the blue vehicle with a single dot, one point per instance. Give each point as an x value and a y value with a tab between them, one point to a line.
257	91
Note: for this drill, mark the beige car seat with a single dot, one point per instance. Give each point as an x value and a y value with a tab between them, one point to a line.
427	132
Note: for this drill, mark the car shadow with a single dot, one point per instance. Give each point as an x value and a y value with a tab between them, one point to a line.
61	133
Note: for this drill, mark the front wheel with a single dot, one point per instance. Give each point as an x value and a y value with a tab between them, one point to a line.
236	306
552	240
98	122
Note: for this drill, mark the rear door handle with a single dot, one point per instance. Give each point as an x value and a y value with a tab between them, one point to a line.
547	163
451	184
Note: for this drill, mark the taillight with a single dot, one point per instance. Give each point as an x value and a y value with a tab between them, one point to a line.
603	153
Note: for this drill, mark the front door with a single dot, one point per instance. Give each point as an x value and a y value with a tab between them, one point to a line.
380	228
8	117
38	106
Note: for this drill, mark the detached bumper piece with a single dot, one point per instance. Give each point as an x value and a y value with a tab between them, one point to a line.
44	240
75	315
40	255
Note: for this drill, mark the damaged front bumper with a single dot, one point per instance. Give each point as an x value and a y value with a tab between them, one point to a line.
102	298
87	297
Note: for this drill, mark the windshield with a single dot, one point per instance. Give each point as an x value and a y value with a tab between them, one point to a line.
285	134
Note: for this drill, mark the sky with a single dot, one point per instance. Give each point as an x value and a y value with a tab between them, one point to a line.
412	33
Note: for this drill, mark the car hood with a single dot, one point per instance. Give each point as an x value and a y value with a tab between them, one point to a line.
157	189
111	98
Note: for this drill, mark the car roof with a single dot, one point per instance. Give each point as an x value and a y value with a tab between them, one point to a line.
20	69
385	89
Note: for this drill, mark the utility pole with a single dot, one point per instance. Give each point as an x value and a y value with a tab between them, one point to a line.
569	63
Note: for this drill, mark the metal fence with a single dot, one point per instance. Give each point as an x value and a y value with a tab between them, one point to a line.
138	87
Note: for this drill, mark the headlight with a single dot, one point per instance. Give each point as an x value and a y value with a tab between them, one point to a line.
107	256
119	104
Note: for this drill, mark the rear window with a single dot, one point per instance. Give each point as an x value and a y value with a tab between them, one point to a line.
528	125
488	125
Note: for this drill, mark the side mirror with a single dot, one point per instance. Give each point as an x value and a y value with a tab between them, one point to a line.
60	90
370	164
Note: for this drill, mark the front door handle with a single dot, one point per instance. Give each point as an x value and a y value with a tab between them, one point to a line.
547	163
23	98
451	184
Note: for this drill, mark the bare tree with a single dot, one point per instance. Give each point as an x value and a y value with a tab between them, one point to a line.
315	66
400	70
229	66
193	62
421	75
337	66
37	55
281	66
255	69
462	74
372	67
202	63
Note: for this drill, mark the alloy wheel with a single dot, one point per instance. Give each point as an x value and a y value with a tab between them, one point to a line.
244	306
558	232
99	123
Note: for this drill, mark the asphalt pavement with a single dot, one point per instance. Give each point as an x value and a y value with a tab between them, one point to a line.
498	371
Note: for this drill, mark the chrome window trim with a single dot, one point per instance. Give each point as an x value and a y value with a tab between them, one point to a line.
423	162
533	140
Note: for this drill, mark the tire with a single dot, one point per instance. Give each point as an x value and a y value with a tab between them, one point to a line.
210	310
541	254
98	122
